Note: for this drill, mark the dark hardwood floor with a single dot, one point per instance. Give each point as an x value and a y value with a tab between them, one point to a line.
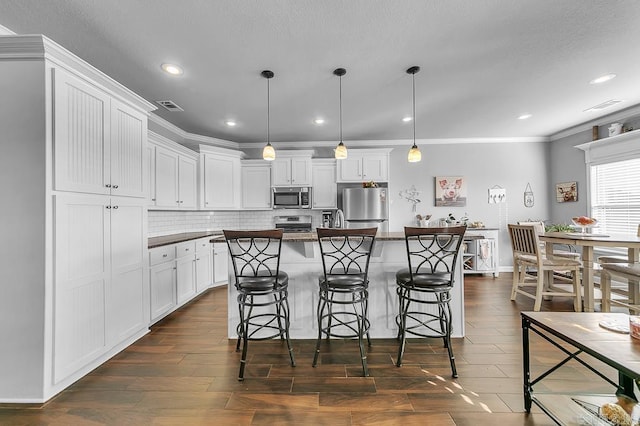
184	372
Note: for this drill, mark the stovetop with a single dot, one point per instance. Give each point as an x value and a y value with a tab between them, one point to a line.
293	223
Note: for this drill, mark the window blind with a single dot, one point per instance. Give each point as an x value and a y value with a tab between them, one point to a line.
615	196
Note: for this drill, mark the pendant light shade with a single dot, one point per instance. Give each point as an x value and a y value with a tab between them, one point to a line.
268	153
341	149
414	153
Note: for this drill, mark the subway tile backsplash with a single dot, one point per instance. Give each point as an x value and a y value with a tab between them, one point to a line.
175	222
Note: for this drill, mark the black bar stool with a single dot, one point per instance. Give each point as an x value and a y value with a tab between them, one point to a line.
432	254
261	287
345	260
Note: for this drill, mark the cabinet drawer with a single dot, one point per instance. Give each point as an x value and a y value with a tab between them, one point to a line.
162	254
203	244
185	249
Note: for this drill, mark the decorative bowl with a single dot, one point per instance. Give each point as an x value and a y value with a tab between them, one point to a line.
584	222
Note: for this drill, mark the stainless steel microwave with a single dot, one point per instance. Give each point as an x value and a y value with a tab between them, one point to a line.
292	197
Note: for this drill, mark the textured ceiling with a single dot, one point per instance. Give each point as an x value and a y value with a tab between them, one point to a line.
484	62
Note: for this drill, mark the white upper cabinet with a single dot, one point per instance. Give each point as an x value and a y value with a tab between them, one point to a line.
291	168
256	185
99	142
364	165
325	190
176	175
220	178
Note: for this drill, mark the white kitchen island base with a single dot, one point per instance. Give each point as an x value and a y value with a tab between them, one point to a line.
300	259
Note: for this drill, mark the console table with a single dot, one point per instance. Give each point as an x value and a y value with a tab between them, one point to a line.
583	332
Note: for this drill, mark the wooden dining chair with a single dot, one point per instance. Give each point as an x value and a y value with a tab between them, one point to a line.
527	254
629	272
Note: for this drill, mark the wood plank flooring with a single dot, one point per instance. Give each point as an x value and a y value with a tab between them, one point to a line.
184	373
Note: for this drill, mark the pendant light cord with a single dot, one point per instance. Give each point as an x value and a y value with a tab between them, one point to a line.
268	114
340	109
413	76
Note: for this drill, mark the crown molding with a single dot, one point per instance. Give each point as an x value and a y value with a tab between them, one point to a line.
167	143
607	119
192	137
5	31
395	142
209	149
40	47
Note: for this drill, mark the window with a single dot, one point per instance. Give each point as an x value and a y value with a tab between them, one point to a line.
615	196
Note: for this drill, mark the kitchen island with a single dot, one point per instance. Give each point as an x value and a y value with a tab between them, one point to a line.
300	259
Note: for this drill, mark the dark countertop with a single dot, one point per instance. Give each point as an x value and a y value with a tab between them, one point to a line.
166	240
293	237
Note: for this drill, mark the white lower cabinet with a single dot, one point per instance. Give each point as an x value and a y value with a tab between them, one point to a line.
99	298
185	271
163	281
204	265
220	263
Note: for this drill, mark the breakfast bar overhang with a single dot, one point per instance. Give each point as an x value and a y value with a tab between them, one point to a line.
300	259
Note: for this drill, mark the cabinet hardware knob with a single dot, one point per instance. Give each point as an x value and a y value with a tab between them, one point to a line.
108	207
153	199
197	258
164	255
115	186
115	207
108	185
186	249
175	268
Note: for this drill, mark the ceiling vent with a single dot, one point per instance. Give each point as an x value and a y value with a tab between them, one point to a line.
603	105
169	105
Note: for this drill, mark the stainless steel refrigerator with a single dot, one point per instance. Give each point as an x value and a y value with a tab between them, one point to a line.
366	208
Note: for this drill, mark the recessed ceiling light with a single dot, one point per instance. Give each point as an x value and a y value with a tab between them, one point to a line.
172	69
525	116
407	119
602	79
319	121
230	123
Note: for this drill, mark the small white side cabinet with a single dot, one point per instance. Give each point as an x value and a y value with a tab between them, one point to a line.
220	263
480	252
175	175
325	190
186	271
256	185
204	264
291	168
220	178
364	165
162	278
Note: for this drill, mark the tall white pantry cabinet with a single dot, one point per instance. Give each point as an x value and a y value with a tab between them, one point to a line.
73	276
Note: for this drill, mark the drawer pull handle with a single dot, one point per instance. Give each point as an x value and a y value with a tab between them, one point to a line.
115	186
108	185
164	255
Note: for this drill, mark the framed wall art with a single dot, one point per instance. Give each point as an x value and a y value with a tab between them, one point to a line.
566	192
451	191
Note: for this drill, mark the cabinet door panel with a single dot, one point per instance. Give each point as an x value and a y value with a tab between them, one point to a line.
81	136
166	178
128	141
163	289
220	263
375	168
350	169
82	276
256	187
204	270
187	179
300	171
325	191
281	171
150	173
128	258
186	283
221	182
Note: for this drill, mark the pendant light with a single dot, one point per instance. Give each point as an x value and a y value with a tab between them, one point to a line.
268	153
341	149
414	153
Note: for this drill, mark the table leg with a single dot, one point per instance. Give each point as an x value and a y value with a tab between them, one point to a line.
587	278
548	277
525	365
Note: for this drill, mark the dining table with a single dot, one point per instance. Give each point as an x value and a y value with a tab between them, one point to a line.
588	241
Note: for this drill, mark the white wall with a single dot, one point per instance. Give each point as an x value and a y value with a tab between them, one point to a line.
22	227
509	165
